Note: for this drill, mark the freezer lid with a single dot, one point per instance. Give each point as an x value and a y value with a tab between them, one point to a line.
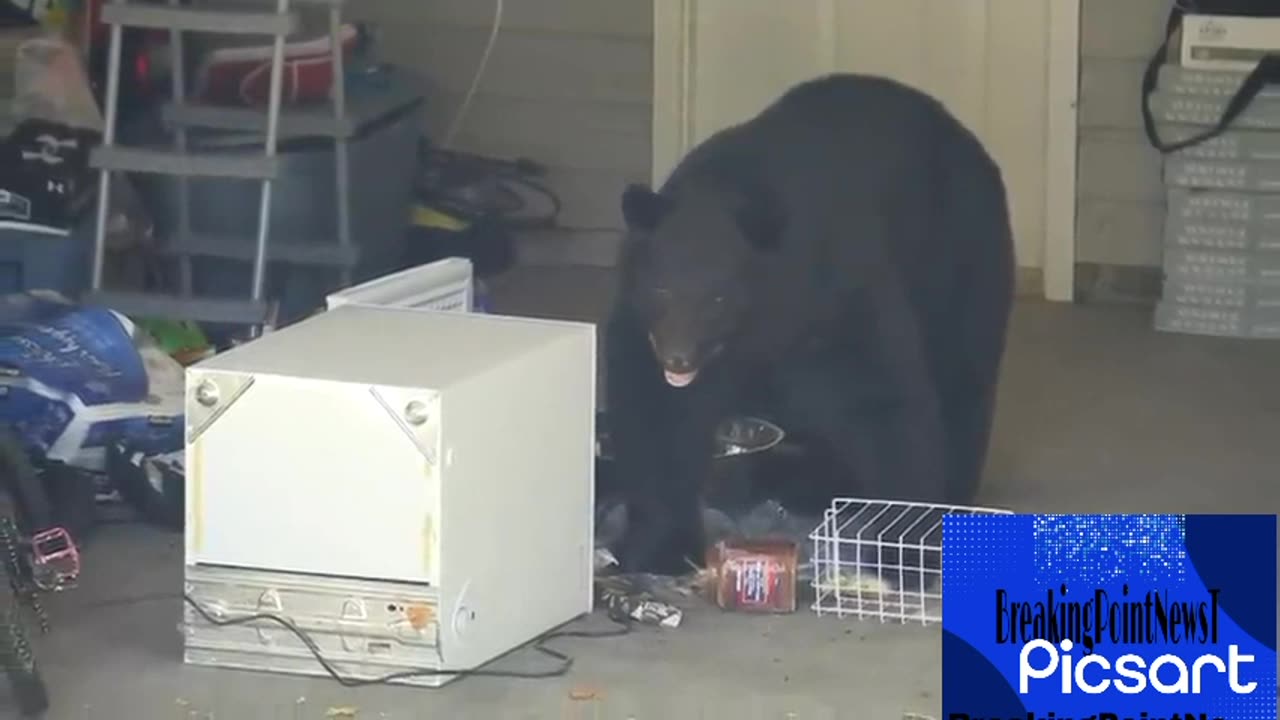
441	285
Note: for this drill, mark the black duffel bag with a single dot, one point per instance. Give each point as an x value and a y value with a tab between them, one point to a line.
1266	72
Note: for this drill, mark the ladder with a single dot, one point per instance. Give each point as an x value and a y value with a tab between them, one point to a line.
257	312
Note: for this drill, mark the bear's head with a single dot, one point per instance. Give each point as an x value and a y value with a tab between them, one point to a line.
694	257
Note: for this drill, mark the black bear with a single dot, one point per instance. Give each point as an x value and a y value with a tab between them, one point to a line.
842	262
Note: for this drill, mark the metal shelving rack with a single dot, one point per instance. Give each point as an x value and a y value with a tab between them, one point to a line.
340	123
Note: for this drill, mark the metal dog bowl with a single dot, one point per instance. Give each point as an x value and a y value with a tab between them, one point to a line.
737	436
746	435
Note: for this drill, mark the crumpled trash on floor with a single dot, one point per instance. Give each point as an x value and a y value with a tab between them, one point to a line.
630	597
626	594
604	559
673	590
767	521
625	601
72	378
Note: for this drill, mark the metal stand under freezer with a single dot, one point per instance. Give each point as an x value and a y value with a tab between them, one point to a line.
412	488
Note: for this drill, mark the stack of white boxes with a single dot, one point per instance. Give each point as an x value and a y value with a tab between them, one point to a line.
1222	227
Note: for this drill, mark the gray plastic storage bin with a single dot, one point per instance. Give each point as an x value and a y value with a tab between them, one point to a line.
383	161
41	261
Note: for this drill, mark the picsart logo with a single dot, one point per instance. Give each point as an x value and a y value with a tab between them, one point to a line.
1050	629
1110	617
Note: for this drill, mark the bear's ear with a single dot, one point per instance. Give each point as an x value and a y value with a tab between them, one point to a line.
642	208
761	219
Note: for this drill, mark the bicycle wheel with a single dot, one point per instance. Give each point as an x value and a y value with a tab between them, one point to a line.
18	476
20	667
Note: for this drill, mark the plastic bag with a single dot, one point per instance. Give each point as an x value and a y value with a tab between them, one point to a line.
50	83
75	378
768	520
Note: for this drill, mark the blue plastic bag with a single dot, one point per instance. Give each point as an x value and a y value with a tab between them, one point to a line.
73	378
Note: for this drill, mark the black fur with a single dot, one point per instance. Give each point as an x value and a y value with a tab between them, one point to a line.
842	263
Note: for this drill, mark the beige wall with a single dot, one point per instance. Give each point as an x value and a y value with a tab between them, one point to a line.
1120	193
569	84
985	59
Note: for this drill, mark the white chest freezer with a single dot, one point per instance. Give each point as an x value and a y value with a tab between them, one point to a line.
369	451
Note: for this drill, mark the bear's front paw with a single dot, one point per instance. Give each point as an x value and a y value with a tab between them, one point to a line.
643	552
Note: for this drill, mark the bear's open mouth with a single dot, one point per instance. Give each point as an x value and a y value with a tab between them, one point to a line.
676	379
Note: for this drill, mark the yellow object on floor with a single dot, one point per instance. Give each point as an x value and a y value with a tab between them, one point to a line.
429	217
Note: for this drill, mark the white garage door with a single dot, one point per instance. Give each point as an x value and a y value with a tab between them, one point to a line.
720	61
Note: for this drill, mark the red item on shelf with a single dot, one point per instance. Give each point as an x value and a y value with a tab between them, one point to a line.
242	75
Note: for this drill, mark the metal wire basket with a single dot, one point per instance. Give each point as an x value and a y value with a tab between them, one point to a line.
878	559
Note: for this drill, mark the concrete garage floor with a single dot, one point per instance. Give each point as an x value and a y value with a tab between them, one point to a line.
1098	413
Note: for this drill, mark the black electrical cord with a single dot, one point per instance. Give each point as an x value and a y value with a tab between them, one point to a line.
565	661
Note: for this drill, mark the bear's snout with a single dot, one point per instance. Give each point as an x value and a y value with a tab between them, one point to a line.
678	363
673	356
